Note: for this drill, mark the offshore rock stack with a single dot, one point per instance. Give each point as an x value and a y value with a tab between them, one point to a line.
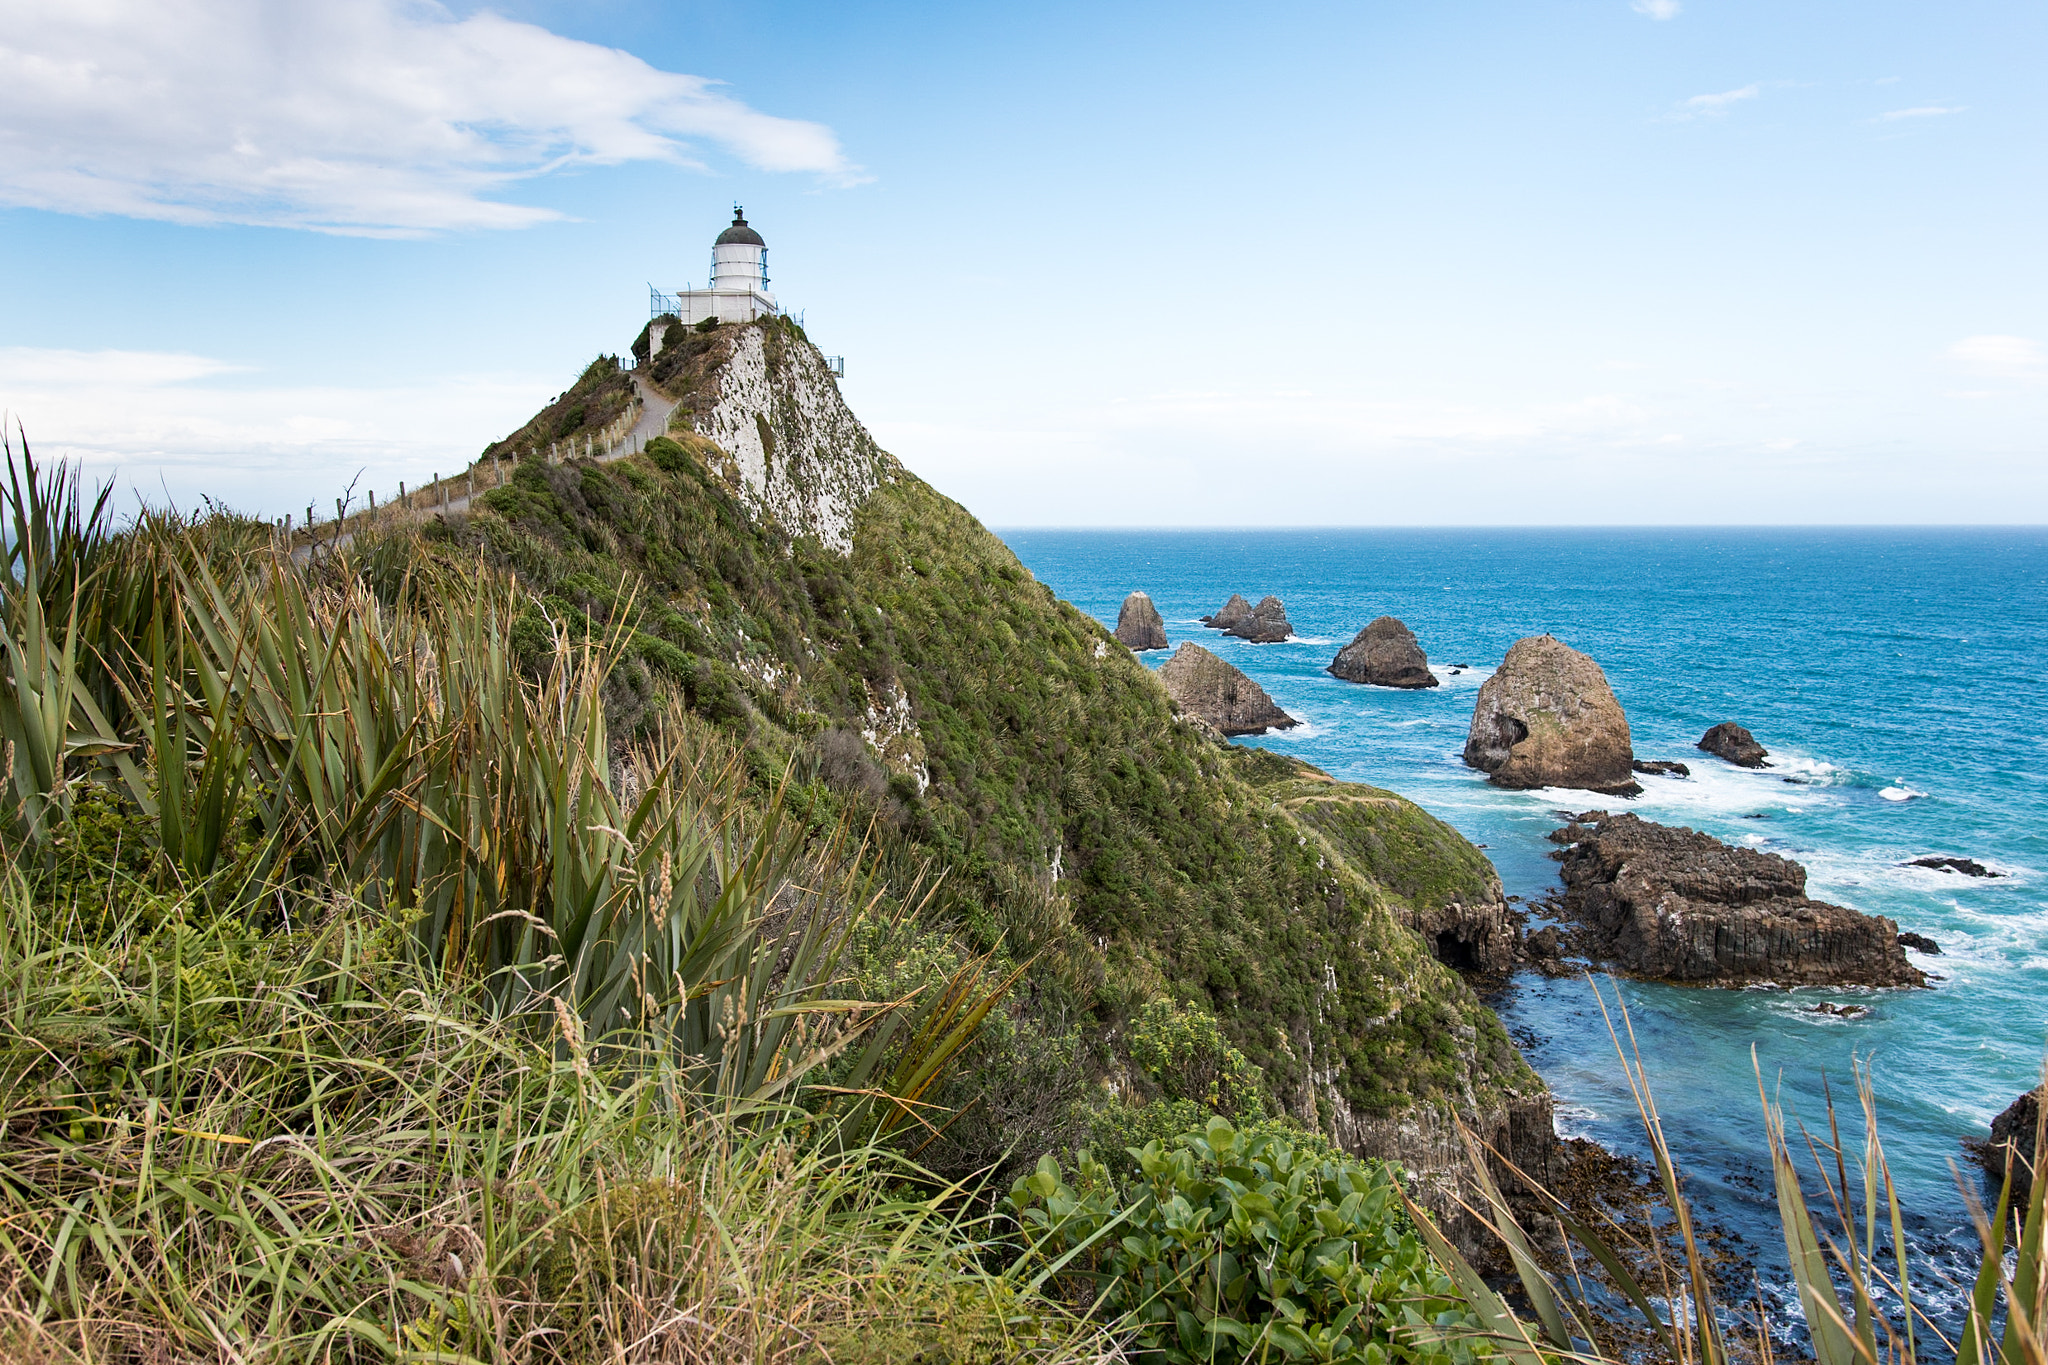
1229	614
1384	654
1139	625
1549	719
1207	687
1265	625
1675	904
1735	744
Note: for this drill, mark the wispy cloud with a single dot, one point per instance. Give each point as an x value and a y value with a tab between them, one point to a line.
2007	357
1656	9
1713	106
377	117
1921	111
189	425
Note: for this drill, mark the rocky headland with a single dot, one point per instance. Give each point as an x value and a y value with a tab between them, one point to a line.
1440	886
1219	693
1265	624
1139	625
1674	904
1548	718
1384	654
1730	741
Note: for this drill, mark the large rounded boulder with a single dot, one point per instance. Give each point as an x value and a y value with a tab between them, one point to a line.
1548	718
1139	625
1384	654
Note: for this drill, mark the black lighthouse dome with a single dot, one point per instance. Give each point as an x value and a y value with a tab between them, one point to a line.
739	234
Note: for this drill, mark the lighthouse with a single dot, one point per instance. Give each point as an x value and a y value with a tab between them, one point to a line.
739	279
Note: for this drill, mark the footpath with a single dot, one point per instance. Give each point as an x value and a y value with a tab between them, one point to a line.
444	497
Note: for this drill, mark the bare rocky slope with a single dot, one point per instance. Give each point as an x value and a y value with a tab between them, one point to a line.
841	621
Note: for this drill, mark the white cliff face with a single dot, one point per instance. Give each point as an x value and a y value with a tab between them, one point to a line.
800	456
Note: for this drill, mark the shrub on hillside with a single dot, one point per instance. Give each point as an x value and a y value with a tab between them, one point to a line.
1240	1247
1182	1050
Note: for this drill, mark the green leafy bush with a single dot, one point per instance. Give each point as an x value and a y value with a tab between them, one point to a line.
1183	1051
1242	1247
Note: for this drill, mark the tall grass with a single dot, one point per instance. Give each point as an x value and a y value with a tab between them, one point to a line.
283	728
365	998
1840	1273
225	1144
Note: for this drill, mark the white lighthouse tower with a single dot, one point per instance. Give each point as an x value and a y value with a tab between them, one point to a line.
739	280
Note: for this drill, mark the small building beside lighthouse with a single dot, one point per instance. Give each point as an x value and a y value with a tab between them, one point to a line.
739	281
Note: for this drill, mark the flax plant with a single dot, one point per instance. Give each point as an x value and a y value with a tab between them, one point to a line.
233	1145
425	968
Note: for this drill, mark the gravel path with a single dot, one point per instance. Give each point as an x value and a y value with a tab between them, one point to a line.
654	414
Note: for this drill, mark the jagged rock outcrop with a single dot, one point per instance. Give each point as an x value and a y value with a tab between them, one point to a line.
1672	903
2011	1148
1730	741
1660	767
1919	943
1139	625
1219	693
1266	625
1233	611
1547	718
1384	654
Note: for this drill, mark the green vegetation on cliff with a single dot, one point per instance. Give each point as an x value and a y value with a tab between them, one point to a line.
1008	741
411	945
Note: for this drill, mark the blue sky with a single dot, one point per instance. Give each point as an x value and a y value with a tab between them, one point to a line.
1541	263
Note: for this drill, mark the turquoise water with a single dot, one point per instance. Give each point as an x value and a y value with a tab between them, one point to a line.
1913	660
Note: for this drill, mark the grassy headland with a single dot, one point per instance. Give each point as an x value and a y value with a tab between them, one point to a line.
631	918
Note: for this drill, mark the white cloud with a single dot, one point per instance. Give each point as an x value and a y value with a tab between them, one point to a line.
188	426
1656	9
380	117
2007	357
1921	111
1713	106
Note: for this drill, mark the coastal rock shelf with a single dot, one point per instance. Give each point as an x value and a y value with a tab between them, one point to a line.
1207	687
1384	654
1969	867
1672	903
1548	718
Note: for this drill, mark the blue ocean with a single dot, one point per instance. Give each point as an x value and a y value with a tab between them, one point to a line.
1897	677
